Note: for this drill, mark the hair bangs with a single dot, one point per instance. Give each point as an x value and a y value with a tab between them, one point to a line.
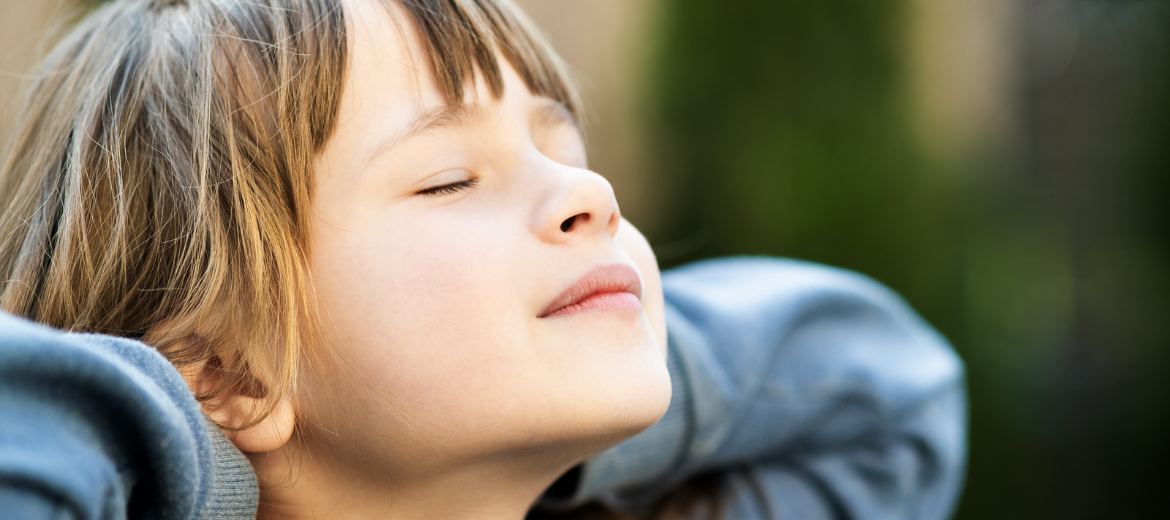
461	37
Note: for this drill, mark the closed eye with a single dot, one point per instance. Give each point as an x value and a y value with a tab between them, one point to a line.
449	189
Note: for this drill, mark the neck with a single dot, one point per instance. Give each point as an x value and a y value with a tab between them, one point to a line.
297	485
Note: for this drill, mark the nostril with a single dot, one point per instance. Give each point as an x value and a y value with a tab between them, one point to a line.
568	223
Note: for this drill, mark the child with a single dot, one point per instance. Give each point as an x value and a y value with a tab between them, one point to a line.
365	235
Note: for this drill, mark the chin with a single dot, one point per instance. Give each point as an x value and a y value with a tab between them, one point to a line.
620	403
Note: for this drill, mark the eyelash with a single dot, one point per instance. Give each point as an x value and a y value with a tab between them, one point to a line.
449	189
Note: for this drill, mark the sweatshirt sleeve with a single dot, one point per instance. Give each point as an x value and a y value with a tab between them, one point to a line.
98	427
815	391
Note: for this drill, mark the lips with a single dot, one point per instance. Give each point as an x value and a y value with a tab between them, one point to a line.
611	287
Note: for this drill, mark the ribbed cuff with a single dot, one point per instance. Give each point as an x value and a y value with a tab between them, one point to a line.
235	493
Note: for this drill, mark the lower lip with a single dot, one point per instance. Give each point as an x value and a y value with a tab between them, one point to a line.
604	302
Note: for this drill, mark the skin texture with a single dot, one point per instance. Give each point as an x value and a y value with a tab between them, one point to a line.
440	392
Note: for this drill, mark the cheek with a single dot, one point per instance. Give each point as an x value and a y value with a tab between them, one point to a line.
631	241
420	310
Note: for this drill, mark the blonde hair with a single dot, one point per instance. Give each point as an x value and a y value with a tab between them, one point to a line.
159	181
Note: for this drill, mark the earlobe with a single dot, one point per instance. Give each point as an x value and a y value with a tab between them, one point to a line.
232	409
270	433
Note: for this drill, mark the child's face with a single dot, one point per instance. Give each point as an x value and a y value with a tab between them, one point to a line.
433	300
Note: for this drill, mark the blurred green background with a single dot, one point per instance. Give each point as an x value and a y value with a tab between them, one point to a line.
1001	163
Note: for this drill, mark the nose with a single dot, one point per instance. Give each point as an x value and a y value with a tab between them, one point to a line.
579	203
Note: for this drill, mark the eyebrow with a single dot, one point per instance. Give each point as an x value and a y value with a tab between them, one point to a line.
438	118
552	113
548	113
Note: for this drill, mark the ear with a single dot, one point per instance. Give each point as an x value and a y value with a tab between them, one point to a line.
235	405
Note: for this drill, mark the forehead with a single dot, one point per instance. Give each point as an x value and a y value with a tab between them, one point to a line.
387	72
390	89
387	81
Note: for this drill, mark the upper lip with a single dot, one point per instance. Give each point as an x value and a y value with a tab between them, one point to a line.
609	278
